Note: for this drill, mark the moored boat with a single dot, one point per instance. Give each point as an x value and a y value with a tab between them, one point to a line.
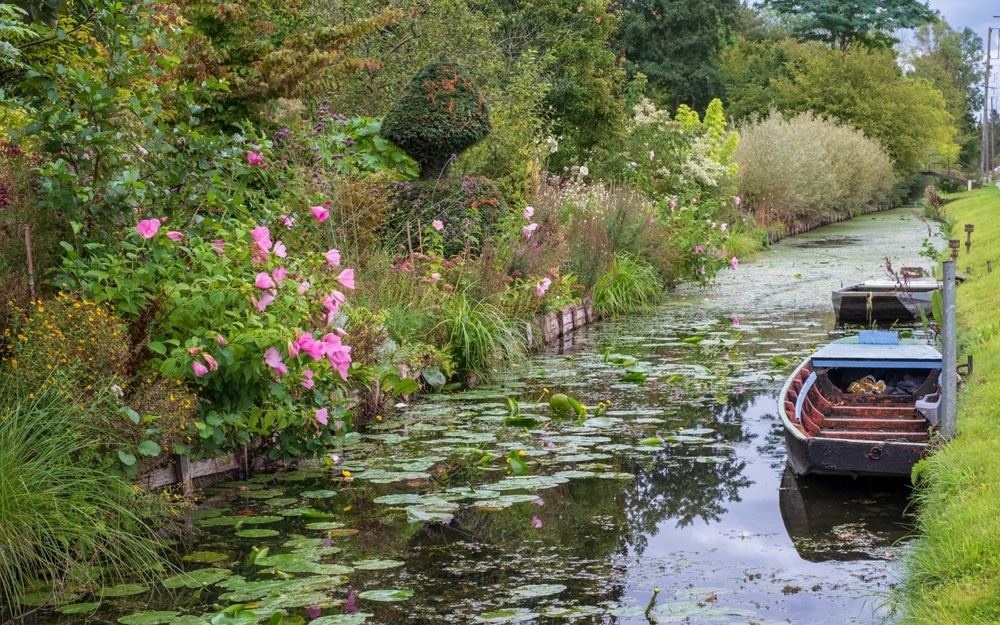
862	405
885	300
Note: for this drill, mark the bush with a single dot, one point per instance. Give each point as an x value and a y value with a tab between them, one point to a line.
480	339
806	168
470	211
439	116
631	285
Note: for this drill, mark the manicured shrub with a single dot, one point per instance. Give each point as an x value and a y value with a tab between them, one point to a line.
440	115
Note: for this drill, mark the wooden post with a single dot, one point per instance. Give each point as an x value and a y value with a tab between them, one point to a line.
31	268
989	266
969	229
184	475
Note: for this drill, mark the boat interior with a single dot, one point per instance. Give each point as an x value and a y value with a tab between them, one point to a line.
864	403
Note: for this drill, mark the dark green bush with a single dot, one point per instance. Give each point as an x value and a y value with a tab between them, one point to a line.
439	116
470	210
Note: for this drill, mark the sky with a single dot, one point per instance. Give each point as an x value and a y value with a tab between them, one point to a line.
974	14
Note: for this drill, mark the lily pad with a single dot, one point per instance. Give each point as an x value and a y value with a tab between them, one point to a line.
281	502
263	494
324	525
197	579
122	590
531	591
79	608
319	494
205	557
149	618
377	565
572	612
386	595
257	533
507	615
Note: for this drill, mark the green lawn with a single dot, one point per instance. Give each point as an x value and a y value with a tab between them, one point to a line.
953	575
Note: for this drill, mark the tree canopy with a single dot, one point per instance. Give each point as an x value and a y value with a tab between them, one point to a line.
840	23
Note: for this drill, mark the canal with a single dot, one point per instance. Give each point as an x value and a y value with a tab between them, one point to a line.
667	501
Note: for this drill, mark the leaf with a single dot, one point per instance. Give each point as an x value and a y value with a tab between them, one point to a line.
197	579
126	458
158	347
781	362
149	448
693	340
386	595
341	619
433	376
148	618
531	591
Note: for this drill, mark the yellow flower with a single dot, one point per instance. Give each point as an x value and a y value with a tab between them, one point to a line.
345	473
522	453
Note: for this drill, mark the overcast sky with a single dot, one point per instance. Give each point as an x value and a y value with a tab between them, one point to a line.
975	14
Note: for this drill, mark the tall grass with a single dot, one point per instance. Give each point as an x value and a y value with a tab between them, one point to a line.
64	525
631	285
482	340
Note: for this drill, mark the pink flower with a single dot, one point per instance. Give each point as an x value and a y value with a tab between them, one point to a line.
273	359
322	416
212	364
279	274
333	257
736	320
163	219
538	501
279	249
437	225
262	236
265	299
320	213
340	332
148	227
288	221
256	159
542	287
740	390
698	249
199	369
435	277
736	200
536	522
700	271
293	349
734	263
651	155
722	228
529	212
346	278
173	235
311	346
218	247
527	230
264	281
307	379
725	356
338	354
304	287
221	340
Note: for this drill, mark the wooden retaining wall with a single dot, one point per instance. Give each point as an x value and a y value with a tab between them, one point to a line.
546	329
776	235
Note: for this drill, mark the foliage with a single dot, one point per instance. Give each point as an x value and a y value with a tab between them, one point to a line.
795	171
12	29
630	286
750	69
468	210
67	526
868	22
221	306
440	115
481	340
676	43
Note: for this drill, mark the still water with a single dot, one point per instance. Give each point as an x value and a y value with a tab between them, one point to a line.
484	506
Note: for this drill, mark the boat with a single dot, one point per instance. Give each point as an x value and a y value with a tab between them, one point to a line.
862	405
885	301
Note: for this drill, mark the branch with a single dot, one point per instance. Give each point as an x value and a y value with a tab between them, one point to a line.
90	16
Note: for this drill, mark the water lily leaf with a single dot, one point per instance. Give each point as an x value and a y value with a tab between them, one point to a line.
410	498
220	521
206	557
616	476
340	531
781	362
318	494
693	340
507	615
386	595
381	476
205	513
516	498
78	608
148	618
342	619
531	591
257	533
636	377
573	475
687	610
573	612
259	520
263	494
122	590
652	441
377	565
325	525
683	438
601	422
241	591
433	376
525	421
416	514
280	502
197	579
187	619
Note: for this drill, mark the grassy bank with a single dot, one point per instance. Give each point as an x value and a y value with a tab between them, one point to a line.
953	575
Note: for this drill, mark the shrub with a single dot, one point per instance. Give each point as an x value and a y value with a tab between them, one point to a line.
67	527
806	168
440	115
480	339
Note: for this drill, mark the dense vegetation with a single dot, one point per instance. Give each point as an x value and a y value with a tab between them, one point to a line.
257	223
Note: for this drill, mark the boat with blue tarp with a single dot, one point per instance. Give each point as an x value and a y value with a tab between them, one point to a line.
862	405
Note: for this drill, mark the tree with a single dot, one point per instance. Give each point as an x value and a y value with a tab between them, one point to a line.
840	23
952	62
676	44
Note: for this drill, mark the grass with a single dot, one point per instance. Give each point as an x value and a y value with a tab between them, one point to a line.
481	339
631	285
65	528
952	573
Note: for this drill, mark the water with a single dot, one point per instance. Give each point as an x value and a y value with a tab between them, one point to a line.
677	485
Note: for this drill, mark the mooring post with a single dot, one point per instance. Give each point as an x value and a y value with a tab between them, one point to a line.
969	229
949	372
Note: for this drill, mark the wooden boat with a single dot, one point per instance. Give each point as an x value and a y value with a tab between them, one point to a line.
885	300
883	427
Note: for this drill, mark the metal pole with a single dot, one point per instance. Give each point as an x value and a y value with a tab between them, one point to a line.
984	150
949	373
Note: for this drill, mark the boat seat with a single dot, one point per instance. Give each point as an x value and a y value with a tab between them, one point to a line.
915	437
